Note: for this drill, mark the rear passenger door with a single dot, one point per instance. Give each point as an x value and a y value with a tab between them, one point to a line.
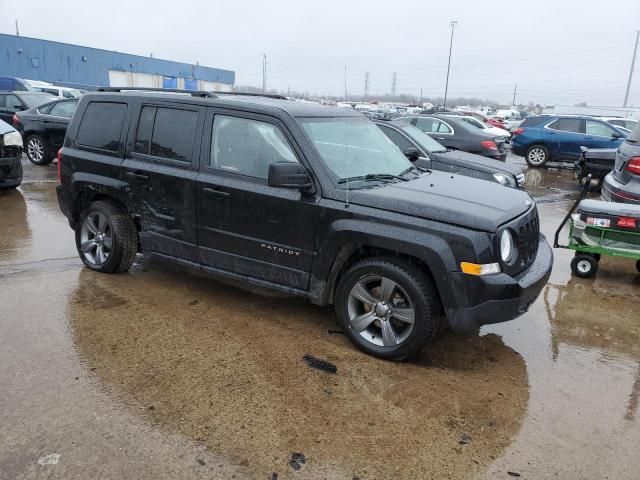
564	137
245	226
160	169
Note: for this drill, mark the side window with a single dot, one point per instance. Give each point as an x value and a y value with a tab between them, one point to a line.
618	123
247	147
13	103
173	133
572	125
166	132
145	127
398	139
2	101
598	129
443	128
63	109
67	94
101	126
427	124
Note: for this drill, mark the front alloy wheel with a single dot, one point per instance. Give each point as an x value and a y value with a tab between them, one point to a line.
380	311
37	151
387	306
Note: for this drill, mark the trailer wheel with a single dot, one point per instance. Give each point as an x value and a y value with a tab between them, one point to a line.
584	266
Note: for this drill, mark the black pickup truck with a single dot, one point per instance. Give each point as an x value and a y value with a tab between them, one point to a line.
302	198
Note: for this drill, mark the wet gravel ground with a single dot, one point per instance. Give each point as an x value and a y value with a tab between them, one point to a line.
160	373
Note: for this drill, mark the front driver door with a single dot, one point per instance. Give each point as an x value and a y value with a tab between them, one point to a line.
245	226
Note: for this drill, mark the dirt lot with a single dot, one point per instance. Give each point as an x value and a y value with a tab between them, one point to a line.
161	373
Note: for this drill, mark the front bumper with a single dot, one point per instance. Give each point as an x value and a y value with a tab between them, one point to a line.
614	191
480	300
10	171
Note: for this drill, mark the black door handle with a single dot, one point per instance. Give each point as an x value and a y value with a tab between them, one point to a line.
215	193
137	176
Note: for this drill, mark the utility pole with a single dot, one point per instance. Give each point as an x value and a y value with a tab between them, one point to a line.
345	83
366	85
394	84
453	24
633	64
515	92
264	73
17	29
420	98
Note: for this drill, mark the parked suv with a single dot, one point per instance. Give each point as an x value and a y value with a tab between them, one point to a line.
559	138
622	184
302	198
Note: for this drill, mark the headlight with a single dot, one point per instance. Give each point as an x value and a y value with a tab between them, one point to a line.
12	139
505	179
507	247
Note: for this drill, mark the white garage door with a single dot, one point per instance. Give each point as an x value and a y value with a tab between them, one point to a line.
117	78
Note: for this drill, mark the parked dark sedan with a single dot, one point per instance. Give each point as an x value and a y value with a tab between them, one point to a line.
427	152
13	102
10	154
43	129
457	134
622	184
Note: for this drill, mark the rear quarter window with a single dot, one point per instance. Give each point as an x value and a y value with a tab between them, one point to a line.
101	126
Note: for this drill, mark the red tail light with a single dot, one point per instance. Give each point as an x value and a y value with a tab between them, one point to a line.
628	222
59	166
518	131
489	144
633	166
16	119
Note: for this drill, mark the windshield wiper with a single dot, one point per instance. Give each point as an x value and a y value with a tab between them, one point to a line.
373	176
417	170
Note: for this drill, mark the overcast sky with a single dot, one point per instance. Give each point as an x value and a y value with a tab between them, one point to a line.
557	51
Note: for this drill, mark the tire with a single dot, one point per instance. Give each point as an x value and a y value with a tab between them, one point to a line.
537	156
395	292
37	150
584	266
106	238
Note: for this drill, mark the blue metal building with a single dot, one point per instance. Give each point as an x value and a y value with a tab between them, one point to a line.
85	67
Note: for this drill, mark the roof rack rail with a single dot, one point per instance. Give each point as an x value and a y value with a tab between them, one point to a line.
249	94
193	93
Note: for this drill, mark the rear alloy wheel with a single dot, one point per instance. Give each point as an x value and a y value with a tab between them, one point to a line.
584	266
106	238
387	307
38	151
537	156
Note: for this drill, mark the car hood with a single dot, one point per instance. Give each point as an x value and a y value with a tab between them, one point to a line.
5	128
483	163
453	199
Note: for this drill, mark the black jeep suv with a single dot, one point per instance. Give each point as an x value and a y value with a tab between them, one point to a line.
302	198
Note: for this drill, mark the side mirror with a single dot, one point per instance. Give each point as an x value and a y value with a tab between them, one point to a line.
412	153
289	175
616	135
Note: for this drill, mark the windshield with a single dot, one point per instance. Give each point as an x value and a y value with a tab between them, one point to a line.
425	141
635	135
352	147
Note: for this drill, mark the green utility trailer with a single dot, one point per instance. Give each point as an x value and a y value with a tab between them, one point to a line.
599	229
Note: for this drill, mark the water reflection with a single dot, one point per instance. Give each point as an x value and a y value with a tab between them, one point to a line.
14	227
223	366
